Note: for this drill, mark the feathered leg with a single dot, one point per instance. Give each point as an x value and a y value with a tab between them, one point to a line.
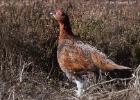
79	80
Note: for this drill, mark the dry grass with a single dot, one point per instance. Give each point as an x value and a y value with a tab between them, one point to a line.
28	41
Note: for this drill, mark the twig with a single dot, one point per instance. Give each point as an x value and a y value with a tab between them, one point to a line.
9	95
109	82
20	75
13	93
136	73
50	71
118	92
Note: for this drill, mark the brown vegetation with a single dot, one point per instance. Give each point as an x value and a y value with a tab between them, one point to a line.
28	40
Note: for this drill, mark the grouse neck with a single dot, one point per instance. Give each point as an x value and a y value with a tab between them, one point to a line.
65	31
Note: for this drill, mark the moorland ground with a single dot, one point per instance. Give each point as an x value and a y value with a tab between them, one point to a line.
28	44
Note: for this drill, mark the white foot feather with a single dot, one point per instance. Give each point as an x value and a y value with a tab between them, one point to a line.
80	87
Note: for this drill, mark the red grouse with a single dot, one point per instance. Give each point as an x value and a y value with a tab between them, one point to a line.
74	56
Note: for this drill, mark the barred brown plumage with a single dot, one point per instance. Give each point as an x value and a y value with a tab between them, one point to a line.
75	56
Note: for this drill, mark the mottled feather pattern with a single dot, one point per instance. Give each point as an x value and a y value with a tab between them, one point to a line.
76	57
78	49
